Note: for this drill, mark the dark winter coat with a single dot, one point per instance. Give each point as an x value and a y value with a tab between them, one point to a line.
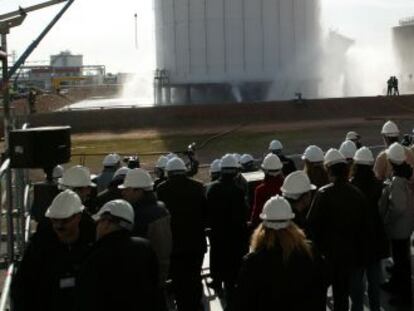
185	200
288	165
266	282
338	224
227	215
120	274
372	190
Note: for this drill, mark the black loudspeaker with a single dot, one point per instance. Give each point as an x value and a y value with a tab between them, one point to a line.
40	147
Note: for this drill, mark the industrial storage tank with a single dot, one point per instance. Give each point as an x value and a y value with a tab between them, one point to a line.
250	47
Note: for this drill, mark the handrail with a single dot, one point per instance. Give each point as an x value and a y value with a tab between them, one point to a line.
4	167
4	299
28	217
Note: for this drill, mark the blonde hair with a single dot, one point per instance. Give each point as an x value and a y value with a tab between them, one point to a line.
289	239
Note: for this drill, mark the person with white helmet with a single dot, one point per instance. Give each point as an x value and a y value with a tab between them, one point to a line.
247	163
57	172
396	208
382	167
184	198
279	257
159	171
227	215
47	276
121	272
276	148
78	179
272	167
215	170
314	168
297	190
110	163
355	138
363	177
339	226
348	149
112	192
152	219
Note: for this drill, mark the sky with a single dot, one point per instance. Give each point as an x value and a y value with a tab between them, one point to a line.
104	32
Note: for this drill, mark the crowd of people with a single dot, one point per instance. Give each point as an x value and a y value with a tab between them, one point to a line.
276	243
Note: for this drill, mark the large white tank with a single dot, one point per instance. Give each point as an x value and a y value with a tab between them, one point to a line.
237	41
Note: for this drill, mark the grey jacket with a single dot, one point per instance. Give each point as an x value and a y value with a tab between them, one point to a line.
397	208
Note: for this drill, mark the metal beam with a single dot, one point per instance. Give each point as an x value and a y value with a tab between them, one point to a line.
22	11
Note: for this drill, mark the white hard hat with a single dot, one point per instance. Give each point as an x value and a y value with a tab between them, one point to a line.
237	157
65	205
352	135
390	129
396	153
137	178
122	171
58	171
333	156
111	159
77	176
171	156
272	163
215	166
229	161
246	158
275	145
313	154
348	149
175	164
364	156
277	213
118	208
162	162
296	184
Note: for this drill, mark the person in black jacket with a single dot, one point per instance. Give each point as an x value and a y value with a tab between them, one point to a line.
112	192
364	179
227	217
276	148
48	273
282	272
121	272
339	227
184	198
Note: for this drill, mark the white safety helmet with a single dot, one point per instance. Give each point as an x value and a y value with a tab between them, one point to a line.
229	161
296	184
333	156
348	149
65	205
77	176
396	153
277	213
272	163
175	165
120	209
352	135
111	159
137	178
237	157
122	171
171	156
313	154
162	162
57	171
275	145
246	158
364	156
390	129
215	166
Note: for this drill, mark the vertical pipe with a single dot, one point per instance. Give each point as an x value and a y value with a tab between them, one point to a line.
175	35
6	108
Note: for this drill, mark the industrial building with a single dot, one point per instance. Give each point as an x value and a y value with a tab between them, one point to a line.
236	50
403	37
